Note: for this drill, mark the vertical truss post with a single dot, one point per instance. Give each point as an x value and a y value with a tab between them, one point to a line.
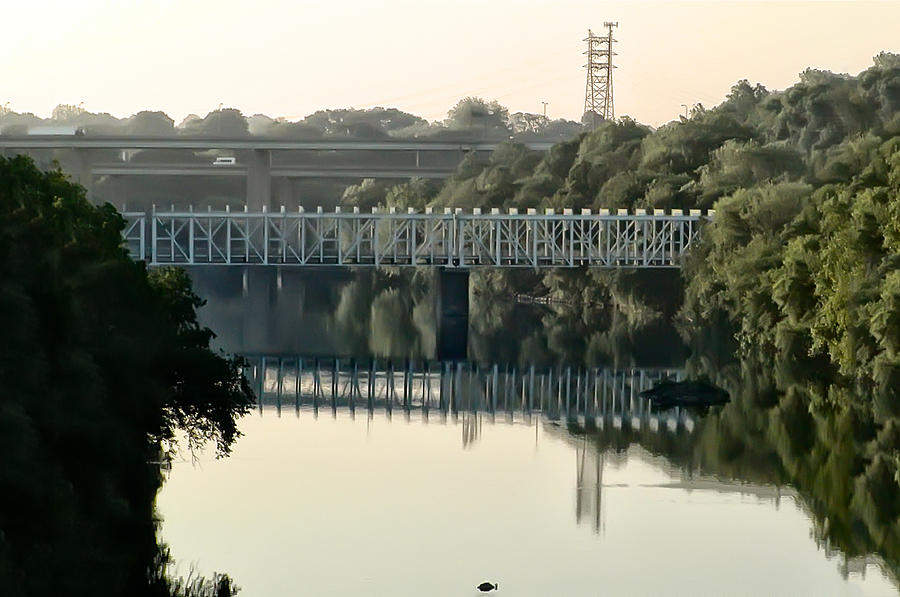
191	235
265	225
153	254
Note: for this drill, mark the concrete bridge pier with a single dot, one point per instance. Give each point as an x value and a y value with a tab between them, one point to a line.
452	311
258	321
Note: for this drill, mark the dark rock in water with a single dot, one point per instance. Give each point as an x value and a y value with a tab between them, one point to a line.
686	393
486	586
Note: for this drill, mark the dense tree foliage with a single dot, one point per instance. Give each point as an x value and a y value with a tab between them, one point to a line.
101	364
226	122
151	124
808	268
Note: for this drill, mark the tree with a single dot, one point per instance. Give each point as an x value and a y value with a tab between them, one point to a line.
225	122
369	124
66	112
475	114
150	124
101	361
524	122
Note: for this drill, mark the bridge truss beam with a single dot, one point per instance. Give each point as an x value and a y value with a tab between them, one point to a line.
449	239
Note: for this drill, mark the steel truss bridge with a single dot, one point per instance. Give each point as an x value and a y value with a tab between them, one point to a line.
604	397
450	238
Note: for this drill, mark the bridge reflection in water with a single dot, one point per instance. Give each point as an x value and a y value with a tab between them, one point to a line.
592	396
563	398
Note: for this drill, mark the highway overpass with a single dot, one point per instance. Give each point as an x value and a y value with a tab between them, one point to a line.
275	171
248	143
257	159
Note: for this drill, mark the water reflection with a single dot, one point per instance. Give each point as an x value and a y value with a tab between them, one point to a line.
471	428
344	505
589	486
598	397
391	314
535	378
601	409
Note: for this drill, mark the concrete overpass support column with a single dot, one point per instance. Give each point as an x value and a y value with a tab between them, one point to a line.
82	172
452	311
285	192
259	180
115	194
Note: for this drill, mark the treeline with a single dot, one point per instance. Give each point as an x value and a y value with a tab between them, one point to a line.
812	274
806	268
775	149
753	137
101	365
471	118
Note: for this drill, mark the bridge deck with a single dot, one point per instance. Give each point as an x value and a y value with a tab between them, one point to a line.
452	238
401	171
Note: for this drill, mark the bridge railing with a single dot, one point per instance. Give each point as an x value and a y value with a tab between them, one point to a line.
451	238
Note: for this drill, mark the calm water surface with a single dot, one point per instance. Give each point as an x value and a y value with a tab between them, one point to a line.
336	504
616	501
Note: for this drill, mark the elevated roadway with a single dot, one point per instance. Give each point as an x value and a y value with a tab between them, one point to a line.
259	159
248	143
281	171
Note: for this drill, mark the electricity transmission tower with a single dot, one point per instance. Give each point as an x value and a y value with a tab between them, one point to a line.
598	92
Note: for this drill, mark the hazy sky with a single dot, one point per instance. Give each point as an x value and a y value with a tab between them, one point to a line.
292	58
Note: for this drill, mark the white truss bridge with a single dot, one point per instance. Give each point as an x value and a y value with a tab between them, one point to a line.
450	238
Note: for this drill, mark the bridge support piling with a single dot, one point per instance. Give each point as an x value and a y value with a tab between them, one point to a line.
259	180
258	319
452	311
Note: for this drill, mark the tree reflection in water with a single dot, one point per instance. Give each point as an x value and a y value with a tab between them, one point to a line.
837	460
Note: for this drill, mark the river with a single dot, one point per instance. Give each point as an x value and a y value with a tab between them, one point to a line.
545	476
